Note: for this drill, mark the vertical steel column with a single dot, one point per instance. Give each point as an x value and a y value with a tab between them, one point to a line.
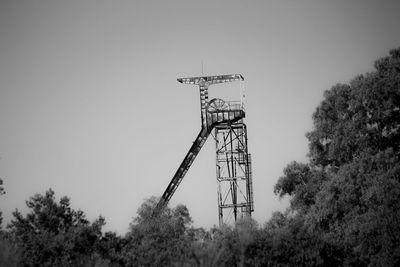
203	103
233	166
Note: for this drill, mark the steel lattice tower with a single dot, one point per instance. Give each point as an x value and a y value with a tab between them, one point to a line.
233	162
235	189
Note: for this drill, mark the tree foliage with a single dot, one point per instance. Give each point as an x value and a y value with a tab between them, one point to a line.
53	234
349	191
158	240
285	241
361	117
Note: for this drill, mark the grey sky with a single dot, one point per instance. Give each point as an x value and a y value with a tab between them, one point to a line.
90	105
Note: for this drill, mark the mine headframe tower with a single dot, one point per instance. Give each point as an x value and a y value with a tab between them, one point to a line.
233	162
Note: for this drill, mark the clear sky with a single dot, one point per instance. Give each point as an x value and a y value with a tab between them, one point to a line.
90	105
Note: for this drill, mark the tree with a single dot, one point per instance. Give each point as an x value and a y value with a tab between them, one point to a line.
285	241
111	247
359	209
302	183
222	246
158	240
2	192
360	117
53	234
349	191
9	252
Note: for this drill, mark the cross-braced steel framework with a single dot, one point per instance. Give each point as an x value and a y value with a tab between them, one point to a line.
235	193
233	162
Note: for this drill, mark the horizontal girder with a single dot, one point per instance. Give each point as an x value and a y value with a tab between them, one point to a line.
208	80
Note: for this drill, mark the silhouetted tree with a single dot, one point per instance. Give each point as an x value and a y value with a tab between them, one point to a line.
285	241
349	192
158	240
53	234
111	247
9	251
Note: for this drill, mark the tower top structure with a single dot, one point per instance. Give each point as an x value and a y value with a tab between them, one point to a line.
204	82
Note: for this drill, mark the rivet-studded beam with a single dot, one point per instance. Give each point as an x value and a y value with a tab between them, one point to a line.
183	168
212	79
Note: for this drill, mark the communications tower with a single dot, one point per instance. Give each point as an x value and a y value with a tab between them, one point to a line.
233	162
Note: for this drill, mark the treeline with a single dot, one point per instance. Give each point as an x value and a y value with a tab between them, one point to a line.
344	203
